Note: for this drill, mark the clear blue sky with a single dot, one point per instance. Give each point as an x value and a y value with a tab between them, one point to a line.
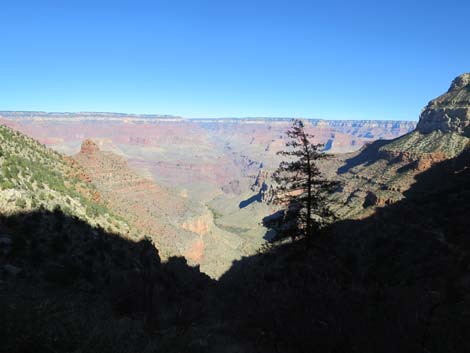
202	58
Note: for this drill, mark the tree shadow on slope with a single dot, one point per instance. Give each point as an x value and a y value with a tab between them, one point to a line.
395	281
255	198
273	223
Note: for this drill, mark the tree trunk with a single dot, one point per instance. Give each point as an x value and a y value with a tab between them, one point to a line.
309	196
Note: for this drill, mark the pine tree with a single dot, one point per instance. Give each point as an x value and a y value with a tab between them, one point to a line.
301	187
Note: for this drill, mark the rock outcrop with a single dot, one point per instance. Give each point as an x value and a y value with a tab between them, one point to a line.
89	147
263	185
449	112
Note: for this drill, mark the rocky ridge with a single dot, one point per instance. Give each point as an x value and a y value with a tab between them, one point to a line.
381	172
451	111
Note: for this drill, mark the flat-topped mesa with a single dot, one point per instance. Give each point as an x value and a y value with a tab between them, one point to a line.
449	112
89	147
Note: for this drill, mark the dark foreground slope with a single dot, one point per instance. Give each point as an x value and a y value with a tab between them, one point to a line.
71	287
396	281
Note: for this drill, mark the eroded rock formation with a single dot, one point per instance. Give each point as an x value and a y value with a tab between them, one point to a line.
451	111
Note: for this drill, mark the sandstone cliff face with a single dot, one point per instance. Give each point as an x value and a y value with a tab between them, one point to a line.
449	112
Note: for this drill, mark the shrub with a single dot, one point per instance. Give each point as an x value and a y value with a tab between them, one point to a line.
6	184
21	203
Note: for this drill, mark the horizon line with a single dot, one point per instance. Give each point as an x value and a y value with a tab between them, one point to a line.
173	116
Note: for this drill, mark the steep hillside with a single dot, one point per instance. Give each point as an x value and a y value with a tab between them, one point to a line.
33	176
380	172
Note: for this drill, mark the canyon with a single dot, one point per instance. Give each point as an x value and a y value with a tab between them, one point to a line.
103	231
198	188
